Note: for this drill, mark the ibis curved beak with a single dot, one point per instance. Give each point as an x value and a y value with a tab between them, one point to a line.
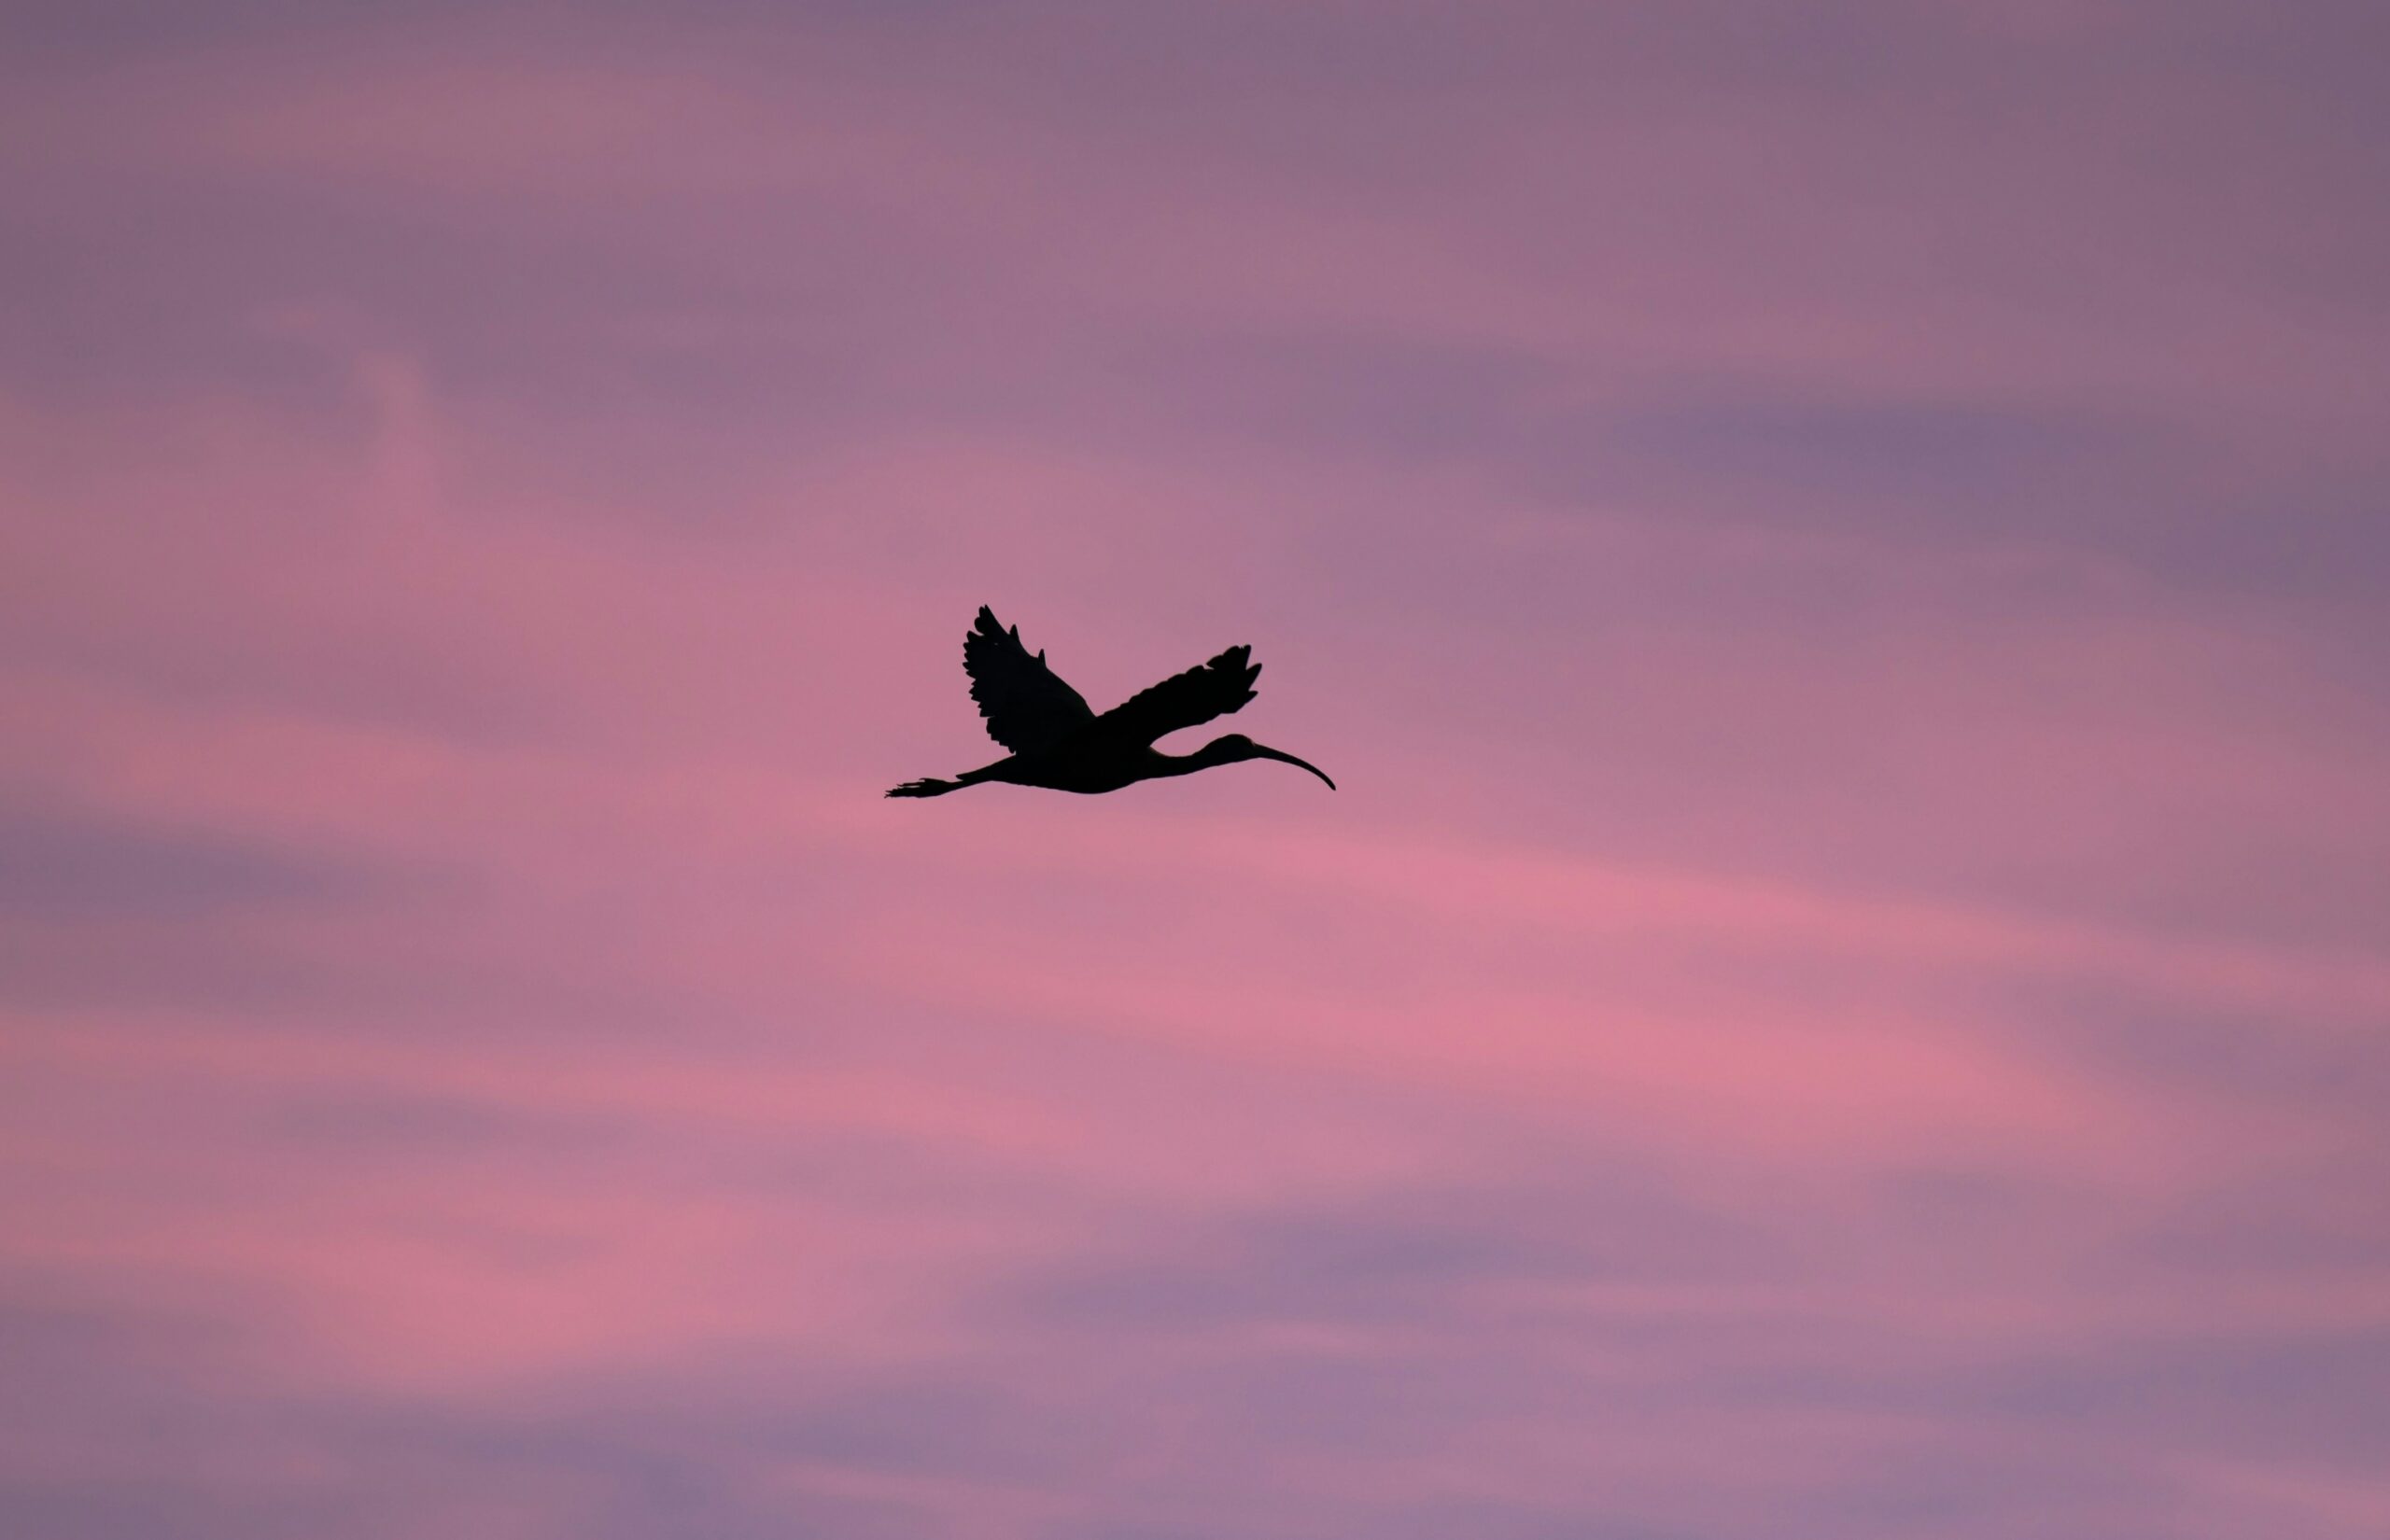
1289	758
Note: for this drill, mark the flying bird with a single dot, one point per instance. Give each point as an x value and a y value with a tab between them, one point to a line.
1058	743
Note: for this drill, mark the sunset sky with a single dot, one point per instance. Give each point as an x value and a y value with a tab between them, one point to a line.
1836	553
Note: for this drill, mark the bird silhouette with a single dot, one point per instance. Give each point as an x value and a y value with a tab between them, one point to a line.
1058	743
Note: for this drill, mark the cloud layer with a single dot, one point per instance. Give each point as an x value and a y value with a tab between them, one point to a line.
1830	547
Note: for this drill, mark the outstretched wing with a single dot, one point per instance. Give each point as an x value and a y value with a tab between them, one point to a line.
1028	708
1184	700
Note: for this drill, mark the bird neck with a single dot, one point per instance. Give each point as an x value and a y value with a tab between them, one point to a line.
1202	758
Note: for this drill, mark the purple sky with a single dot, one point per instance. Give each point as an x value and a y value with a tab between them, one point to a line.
1836	551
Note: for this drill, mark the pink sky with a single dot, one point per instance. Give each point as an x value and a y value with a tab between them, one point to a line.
1834	551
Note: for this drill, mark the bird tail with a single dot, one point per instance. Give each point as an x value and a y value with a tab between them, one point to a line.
931	788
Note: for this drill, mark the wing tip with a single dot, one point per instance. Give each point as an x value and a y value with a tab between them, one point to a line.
987	628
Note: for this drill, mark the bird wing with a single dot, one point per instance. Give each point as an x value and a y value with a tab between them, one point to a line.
1029	709
1184	700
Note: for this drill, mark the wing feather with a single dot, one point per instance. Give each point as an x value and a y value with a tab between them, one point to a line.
1028	707
1223	685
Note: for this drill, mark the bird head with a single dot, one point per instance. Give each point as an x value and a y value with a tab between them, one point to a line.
1236	745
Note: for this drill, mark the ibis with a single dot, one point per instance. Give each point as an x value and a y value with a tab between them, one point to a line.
1058	743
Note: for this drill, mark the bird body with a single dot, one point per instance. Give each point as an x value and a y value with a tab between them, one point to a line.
1059	744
